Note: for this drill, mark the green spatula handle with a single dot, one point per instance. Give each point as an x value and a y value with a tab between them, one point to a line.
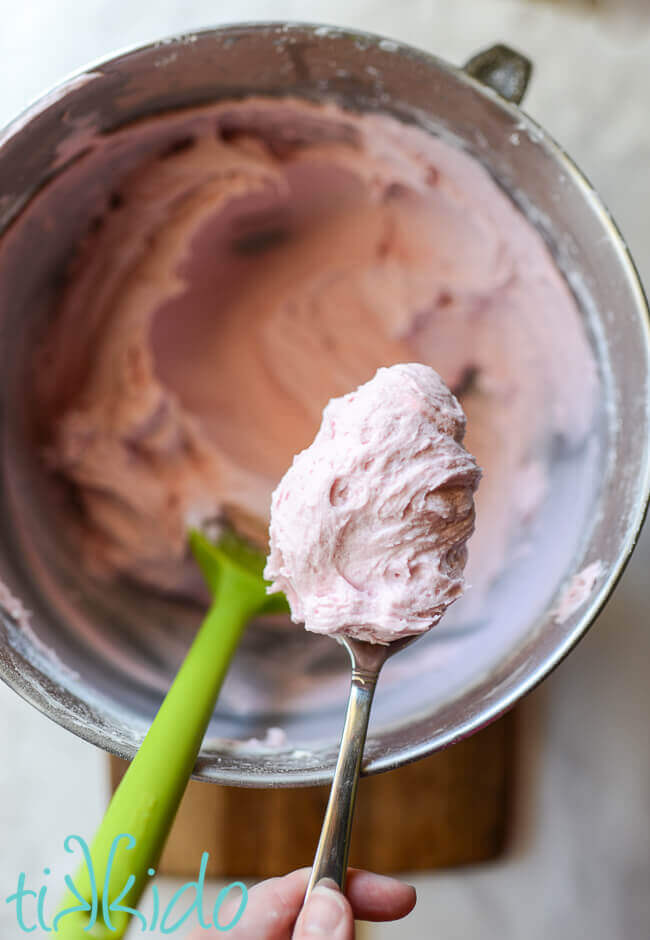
145	803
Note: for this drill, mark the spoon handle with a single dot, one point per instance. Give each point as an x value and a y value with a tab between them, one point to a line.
331	860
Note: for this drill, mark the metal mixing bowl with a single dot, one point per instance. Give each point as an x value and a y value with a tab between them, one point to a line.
97	658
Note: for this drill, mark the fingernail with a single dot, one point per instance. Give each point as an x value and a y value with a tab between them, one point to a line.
328	883
324	910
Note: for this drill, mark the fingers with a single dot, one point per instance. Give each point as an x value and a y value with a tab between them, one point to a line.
327	913
274	905
271	911
378	898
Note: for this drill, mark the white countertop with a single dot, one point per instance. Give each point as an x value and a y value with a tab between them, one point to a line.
580	865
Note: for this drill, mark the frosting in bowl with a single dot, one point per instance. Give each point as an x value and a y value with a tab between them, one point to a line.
260	257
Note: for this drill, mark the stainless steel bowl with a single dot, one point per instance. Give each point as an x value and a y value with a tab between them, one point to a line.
97	659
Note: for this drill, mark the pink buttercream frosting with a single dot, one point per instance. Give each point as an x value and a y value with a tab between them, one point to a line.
369	525
249	260
577	591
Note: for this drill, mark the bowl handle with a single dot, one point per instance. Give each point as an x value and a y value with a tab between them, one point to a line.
503	69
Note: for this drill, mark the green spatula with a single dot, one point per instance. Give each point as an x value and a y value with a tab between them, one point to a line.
145	803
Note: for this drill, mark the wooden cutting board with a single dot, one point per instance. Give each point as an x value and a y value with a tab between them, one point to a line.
448	809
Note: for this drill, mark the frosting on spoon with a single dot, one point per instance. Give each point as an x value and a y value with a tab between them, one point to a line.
369	525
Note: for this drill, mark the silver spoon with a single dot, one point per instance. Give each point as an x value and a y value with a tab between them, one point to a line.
331	860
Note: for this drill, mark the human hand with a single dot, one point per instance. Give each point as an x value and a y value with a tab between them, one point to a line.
274	910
